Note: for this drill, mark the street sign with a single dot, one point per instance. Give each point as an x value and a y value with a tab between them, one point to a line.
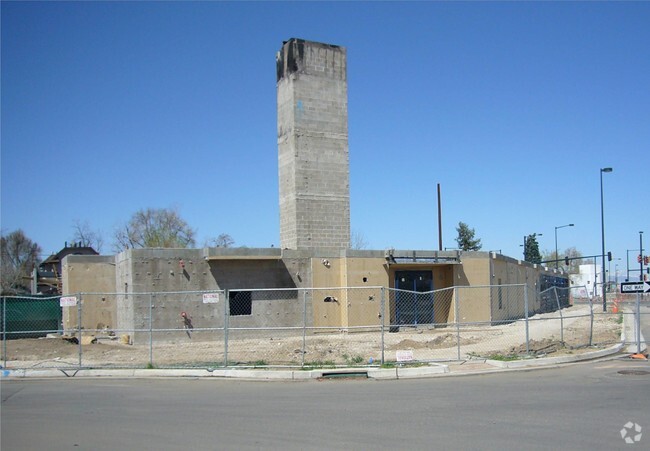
635	287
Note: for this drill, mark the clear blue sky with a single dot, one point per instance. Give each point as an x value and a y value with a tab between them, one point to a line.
512	107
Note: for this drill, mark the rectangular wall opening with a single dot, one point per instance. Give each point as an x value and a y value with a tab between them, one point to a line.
241	303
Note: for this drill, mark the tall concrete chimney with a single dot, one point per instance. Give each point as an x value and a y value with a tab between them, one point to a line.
313	160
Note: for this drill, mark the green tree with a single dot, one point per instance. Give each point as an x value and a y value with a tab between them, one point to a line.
465	238
531	249
19	256
153	227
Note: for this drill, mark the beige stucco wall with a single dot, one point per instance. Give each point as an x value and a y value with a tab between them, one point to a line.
474	302
364	302
327	276
90	274
349	280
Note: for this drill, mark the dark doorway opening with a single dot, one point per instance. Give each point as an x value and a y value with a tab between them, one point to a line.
414	300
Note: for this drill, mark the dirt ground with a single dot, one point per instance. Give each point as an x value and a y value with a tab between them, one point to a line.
338	348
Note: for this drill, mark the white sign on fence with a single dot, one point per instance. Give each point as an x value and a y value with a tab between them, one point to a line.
69	301
404	356
210	298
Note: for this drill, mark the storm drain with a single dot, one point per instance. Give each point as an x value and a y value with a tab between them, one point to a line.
341	374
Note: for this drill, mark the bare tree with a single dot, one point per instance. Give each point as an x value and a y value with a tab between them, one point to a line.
87	237
358	240
152	227
19	256
573	255
223	240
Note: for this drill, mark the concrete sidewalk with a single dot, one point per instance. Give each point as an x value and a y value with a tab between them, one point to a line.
473	366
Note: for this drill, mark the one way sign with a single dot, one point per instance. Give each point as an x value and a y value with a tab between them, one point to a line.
635	287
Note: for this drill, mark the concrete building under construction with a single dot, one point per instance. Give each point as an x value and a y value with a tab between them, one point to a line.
314	200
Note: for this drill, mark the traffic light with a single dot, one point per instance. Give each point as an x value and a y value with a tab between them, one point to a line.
566	261
646	260
609	256
638	258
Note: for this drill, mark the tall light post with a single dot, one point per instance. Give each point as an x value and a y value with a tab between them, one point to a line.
556	256
641	254
628	263
602	228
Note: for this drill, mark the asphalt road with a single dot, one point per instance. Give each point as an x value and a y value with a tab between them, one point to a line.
581	406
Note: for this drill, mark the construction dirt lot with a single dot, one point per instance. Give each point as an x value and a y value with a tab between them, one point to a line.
351	347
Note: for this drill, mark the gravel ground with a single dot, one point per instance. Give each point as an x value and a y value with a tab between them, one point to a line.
341	347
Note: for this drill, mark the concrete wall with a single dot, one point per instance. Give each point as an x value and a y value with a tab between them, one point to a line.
473	303
178	277
313	161
90	274
174	280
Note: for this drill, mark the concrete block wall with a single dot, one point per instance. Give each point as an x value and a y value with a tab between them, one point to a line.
313	160
157	277
90	274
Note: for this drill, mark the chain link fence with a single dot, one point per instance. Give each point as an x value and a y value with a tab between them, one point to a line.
309	328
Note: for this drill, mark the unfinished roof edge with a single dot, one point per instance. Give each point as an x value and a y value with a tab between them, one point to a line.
290	59
241	253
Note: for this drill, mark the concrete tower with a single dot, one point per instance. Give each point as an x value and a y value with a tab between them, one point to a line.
313	146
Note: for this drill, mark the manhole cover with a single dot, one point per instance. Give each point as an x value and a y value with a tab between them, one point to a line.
634	372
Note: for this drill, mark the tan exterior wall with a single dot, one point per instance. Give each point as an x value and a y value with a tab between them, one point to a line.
327	274
473	303
333	304
90	274
364	304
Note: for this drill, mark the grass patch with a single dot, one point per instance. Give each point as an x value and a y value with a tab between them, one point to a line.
150	366
503	357
352	360
389	365
318	364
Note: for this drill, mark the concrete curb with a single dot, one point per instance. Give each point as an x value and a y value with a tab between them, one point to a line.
430	370
232	373
551	361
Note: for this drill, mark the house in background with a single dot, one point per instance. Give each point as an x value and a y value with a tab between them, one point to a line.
48	274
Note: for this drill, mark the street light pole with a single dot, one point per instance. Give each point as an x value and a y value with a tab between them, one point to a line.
628	263
602	228
641	254
556	255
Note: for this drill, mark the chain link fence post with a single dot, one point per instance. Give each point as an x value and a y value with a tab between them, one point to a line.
79	318
304	328
559	309
4	330
526	319
383	323
151	296
637	323
226	324
591	320
456	318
